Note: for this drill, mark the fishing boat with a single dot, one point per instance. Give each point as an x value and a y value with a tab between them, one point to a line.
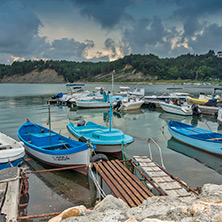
107	140
200	138
177	108
11	151
52	148
124	91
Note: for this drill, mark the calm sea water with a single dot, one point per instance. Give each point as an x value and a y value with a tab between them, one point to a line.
51	192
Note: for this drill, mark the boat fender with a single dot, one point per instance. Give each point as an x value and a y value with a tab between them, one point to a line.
81	123
83	139
98	158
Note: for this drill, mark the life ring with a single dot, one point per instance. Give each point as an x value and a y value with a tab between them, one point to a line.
25	187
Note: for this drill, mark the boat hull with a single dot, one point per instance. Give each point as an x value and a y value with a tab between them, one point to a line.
92	104
179	110
107	141
208	146
52	148
14	163
132	106
80	158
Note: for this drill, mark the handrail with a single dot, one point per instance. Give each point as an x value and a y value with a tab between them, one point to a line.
149	147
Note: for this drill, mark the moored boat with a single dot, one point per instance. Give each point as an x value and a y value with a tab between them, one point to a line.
52	148
200	138
11	151
107	140
185	110
128	104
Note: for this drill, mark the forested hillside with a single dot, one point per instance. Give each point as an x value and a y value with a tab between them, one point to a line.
193	67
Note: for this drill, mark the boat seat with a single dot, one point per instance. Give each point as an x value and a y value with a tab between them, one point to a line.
57	145
5	146
215	139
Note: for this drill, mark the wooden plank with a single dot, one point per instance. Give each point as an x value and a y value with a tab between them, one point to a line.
136	180
10	205
130	179
162	179
117	186
108	182
123	183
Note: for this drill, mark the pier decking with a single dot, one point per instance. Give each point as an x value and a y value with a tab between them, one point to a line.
122	182
172	186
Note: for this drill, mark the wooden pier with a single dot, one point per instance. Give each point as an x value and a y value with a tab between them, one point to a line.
171	185
122	182
9	193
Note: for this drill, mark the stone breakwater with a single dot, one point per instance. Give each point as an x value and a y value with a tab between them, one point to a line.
205	207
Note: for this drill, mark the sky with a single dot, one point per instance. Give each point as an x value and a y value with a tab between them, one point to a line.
105	30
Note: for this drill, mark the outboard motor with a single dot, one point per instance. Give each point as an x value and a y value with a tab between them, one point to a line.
196	110
117	105
81	123
82	139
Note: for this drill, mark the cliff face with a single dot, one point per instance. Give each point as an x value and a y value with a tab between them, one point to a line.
46	76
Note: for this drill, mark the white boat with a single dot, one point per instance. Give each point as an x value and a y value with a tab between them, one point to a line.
139	92
219	116
124	91
74	90
11	151
105	103
95	95
156	99
183	109
130	103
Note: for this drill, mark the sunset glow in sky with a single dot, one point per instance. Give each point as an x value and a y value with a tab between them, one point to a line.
105	30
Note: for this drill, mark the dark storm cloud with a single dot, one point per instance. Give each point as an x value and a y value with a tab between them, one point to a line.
19	29
209	39
68	49
144	33
105	12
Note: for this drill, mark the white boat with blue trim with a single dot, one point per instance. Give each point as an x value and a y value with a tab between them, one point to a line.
52	148
11	151
200	138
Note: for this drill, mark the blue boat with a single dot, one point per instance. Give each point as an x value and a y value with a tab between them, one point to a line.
108	141
52	148
200	138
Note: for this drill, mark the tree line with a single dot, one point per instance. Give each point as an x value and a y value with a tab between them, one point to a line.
202	67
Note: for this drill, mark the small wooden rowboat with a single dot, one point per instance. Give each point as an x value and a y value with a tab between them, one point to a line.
11	151
200	138
52	148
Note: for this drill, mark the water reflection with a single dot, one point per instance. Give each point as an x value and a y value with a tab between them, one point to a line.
207	159
56	189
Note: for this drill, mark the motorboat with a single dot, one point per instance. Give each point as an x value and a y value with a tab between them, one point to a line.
105	103
156	99
200	138
11	152
128	104
138	92
95	95
74	90
124	91
176	107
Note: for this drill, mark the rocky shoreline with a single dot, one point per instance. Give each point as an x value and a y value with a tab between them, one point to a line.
207	207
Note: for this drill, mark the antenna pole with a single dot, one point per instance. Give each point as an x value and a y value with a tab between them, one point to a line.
49	119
